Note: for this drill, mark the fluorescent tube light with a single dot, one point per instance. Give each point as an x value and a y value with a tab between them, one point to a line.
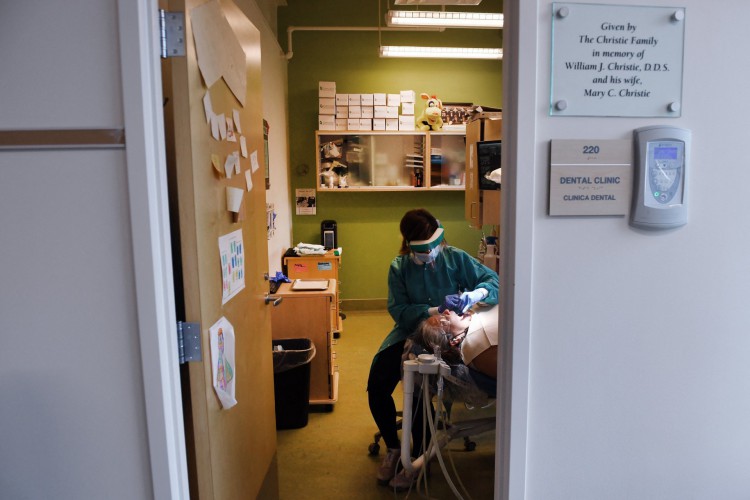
434	18
440	52
437	2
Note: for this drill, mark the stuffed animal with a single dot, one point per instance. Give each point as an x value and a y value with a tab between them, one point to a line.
431	118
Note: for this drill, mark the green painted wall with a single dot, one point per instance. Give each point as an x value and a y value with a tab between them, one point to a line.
368	221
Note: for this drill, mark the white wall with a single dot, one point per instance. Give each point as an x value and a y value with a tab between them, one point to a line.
638	346
72	403
275	111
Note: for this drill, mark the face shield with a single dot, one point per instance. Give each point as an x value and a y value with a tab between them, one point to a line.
425	251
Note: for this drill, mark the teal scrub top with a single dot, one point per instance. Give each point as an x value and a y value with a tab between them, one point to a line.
414	288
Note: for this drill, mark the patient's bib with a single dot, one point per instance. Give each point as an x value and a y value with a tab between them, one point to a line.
482	334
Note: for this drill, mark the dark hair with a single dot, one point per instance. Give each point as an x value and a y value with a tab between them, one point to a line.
417	224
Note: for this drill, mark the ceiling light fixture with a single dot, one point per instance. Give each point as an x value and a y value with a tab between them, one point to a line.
443	19
437	2
440	52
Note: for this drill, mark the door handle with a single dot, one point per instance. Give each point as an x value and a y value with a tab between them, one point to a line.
272	299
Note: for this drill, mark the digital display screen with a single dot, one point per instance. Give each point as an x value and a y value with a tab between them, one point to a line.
665	153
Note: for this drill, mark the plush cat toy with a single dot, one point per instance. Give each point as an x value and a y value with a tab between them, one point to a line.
431	118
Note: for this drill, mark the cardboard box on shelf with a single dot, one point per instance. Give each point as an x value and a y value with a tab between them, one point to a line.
406	122
379	100
391	111
352	123
408	96
341	124
366	99
326	122
391	124
379	112
378	123
342	99
342	111
394	99
355	100
327	89
407	108
355	111
365	124
479	112
368	112
326	106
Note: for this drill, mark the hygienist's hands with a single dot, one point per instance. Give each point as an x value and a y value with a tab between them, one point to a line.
450	303
468	299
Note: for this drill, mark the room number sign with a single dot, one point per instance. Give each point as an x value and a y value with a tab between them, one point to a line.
590	177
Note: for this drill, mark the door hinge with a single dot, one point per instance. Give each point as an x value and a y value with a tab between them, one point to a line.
189	342
172	33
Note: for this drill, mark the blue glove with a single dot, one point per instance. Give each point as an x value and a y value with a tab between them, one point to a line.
468	299
450	303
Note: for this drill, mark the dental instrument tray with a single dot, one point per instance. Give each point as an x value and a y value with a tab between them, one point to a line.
306	285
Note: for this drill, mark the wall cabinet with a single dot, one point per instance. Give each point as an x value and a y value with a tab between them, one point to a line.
311	315
481	206
390	161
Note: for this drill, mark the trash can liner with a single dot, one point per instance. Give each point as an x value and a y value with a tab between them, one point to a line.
291	381
287	359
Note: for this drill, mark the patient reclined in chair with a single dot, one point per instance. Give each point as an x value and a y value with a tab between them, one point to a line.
465	352
469	339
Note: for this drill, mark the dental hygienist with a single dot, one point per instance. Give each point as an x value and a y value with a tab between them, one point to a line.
426	278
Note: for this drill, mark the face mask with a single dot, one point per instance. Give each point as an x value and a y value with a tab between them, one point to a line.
426	258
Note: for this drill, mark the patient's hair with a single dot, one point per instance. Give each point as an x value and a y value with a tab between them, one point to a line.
433	334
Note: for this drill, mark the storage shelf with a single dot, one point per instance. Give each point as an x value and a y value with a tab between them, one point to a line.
388	161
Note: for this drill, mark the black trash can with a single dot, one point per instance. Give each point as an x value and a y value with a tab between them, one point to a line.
291	381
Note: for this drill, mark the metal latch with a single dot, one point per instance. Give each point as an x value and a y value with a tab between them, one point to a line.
172	33
189	342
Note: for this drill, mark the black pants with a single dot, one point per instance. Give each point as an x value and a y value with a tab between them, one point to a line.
385	374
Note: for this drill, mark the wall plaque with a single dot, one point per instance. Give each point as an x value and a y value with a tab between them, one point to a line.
590	177
615	60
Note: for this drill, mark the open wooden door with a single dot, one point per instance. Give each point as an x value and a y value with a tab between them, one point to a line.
231	452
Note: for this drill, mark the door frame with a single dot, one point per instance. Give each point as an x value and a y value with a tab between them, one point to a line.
520	35
152	250
149	213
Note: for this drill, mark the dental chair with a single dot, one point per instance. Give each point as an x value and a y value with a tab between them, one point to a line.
479	381
432	375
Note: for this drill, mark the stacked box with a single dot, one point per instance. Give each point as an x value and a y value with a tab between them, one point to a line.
327	89
408	96
377	111
406	122
407	108
326	122
326	105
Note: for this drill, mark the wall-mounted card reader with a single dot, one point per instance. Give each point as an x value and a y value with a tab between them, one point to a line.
661	163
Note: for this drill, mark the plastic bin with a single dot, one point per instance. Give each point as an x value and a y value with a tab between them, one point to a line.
291	381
